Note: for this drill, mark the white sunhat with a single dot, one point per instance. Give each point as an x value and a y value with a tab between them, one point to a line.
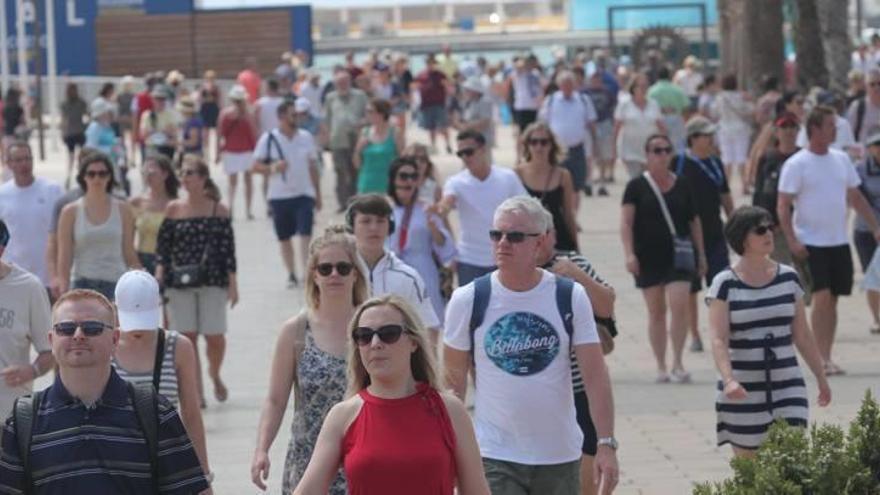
237	93
302	105
138	301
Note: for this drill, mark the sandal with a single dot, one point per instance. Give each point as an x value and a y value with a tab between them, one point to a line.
875	329
681	376
221	393
662	377
831	369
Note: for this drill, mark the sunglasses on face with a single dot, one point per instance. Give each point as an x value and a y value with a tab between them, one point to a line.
762	229
388	334
513	237
466	152
874	84
343	268
539	141
103	174
662	150
408	176
187	173
90	328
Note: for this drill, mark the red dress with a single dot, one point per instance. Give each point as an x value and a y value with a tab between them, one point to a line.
400	446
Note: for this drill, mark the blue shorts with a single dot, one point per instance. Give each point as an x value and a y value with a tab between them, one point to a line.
293	216
433	117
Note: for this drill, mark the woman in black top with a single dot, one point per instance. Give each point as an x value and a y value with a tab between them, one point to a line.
647	243
545	179
195	262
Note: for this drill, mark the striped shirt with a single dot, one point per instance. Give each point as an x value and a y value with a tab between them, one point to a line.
762	357
168	379
99	449
578	259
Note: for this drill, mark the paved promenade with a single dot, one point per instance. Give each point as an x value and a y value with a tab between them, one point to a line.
666	432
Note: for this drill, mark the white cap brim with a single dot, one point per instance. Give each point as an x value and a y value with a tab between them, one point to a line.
150	319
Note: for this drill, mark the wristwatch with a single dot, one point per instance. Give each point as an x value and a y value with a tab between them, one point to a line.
609	441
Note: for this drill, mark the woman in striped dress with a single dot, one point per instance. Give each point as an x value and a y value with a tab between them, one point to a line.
757	319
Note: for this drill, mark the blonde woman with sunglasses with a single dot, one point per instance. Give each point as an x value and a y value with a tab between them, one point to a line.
315	370
393	400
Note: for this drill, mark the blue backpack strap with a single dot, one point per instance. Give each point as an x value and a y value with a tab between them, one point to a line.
679	167
564	288
482	293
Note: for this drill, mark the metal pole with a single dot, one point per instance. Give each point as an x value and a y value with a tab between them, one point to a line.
38	73
611	48
704	46
859	20
21	46
4	47
52	69
194	55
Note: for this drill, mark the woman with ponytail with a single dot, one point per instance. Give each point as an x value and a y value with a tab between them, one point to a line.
195	263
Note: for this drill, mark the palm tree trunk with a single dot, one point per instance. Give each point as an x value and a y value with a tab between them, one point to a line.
811	68
836	41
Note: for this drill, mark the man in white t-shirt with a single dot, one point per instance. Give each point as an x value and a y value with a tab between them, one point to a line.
370	218
516	328
528	89
289	156
24	322
572	118
820	183
26	205
476	192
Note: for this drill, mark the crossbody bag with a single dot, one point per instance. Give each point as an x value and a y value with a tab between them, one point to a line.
192	275
683	256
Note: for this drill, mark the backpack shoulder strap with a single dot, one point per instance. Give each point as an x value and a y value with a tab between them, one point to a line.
482	293
146	408
564	289
25	411
860	116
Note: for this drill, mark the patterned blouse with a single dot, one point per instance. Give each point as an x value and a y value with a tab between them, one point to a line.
183	241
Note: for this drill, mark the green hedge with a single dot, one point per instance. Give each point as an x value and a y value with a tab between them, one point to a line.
820	461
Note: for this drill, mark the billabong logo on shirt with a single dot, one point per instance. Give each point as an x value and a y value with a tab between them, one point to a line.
521	343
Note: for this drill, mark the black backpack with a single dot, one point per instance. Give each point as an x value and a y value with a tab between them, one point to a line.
146	407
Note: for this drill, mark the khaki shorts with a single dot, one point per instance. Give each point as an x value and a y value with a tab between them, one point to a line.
197	310
511	478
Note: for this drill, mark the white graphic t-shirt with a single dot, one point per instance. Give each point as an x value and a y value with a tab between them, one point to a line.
524	408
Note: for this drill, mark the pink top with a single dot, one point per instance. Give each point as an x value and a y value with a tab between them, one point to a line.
400	446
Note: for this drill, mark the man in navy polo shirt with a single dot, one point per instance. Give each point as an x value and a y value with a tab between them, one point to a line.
87	437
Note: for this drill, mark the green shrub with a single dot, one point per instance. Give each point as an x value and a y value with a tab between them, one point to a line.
821	461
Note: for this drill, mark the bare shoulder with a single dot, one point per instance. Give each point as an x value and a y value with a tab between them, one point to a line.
454	406
172	210
343	414
222	210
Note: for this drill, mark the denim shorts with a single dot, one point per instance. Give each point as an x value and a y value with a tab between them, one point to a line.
293	216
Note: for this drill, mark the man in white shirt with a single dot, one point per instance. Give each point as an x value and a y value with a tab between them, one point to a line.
572	118
528	88
516	328
370	218
476	192
26	205
289	156
820	182
24	322
863	114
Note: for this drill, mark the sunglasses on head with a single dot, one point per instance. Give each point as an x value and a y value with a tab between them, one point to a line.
388	334
762	229
465	152
539	141
513	237
661	150
407	175
343	268
103	174
90	328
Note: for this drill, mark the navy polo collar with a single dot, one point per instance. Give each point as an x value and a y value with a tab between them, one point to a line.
115	392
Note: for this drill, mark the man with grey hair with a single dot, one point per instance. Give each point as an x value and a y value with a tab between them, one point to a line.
572	118
864	113
344	112
516	328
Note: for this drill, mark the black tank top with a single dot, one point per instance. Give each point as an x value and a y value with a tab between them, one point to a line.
554	201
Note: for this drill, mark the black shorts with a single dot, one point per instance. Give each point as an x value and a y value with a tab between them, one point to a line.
716	260
865	246
74	141
831	268
582	408
293	216
648	277
523	118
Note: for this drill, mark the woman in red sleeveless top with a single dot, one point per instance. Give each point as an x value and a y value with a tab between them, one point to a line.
395	434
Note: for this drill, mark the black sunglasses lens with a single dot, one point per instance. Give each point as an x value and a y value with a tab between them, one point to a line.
763	229
92	328
344	268
515	237
495	235
325	269
66	328
465	153
390	334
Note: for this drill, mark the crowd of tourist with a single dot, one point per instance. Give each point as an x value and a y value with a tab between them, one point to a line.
407	310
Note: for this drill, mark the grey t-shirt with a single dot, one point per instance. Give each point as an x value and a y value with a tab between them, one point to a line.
870	121
479	109
72	115
869	171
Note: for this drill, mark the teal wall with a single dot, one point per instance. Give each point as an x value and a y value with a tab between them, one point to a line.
593	14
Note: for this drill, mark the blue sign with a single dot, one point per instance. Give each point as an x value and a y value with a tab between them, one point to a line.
593	14
75	44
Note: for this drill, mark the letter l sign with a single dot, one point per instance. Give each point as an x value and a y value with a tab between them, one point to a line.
72	19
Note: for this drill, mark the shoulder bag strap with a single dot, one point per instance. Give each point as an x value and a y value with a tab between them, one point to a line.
482	294
160	357
564	289
662	201
146	408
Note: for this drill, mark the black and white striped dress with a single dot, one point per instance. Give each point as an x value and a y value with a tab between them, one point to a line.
763	357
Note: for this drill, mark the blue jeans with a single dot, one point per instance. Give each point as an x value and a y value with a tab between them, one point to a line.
105	287
467	273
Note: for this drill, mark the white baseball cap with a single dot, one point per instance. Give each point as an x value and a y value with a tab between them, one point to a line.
138	301
302	105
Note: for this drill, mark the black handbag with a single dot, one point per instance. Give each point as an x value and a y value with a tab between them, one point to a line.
683	256
191	275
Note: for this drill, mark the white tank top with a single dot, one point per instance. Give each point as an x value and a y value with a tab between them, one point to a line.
97	249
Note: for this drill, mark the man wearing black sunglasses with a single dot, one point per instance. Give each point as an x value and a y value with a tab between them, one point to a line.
24	320
516	329
476	192
116	429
